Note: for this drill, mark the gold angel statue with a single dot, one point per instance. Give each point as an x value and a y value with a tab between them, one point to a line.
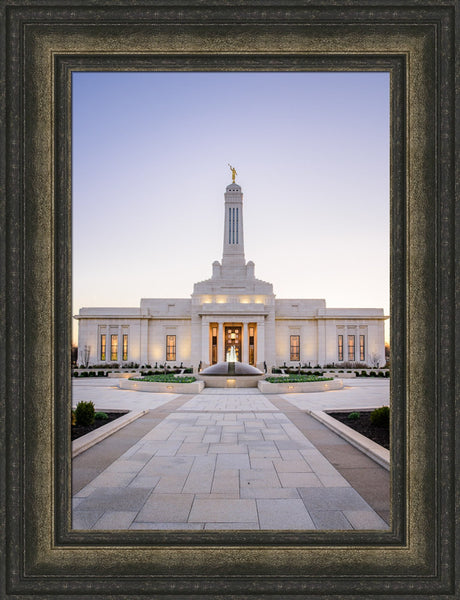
234	173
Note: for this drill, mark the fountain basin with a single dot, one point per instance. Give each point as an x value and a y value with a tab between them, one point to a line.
231	375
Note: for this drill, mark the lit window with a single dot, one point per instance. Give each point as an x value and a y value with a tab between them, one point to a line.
125	346
103	346
295	347
340	348
114	347
252	358
170	347
213	344
362	348
351	347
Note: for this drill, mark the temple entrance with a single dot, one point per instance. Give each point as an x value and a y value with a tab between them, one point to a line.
233	338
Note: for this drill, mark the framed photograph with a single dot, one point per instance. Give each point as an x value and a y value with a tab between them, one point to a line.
45	48
154	203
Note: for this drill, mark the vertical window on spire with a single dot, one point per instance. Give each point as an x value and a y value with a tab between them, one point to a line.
233	226
237	225
229	225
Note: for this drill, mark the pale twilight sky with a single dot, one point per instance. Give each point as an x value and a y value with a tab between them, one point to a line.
150	167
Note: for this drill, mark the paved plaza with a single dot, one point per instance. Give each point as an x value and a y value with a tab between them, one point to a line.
226	459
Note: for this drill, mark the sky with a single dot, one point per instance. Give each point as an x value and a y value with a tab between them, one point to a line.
150	155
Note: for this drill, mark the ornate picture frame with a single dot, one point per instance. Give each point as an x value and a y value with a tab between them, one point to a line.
44	45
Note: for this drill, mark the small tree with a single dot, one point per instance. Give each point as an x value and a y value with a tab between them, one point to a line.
375	359
84	356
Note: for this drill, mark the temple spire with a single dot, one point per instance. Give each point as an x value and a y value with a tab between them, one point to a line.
233	254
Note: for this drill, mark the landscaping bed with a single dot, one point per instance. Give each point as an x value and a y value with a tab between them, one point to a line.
363	425
80	430
169	378
294	378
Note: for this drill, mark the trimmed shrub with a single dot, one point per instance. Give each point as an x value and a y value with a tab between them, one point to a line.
101	415
353	416
84	413
380	417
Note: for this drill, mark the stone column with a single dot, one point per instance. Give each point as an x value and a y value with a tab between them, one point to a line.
260	348
204	343
245	345
120	345
220	342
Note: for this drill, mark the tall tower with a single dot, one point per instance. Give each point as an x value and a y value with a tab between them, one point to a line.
233	254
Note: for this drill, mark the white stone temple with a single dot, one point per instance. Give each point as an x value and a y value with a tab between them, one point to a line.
232	308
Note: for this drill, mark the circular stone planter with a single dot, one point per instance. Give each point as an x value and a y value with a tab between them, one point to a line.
156	386
304	387
231	375
230	381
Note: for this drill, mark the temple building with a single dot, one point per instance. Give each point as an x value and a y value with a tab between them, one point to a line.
232	308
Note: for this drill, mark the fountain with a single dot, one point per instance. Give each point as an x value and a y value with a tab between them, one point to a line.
231	373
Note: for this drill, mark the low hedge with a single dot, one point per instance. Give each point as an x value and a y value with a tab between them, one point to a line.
164	379
297	379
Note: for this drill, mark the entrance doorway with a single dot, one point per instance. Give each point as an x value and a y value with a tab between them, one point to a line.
233	338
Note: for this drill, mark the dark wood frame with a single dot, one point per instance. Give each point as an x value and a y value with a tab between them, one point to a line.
44	42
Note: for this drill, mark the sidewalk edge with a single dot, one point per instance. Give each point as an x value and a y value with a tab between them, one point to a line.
96	436
380	455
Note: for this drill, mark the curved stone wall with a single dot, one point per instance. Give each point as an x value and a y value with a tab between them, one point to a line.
304	387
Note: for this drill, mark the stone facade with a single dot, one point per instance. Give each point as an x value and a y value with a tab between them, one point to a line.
232	307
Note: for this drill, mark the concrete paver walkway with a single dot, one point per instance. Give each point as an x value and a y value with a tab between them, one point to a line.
224	459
